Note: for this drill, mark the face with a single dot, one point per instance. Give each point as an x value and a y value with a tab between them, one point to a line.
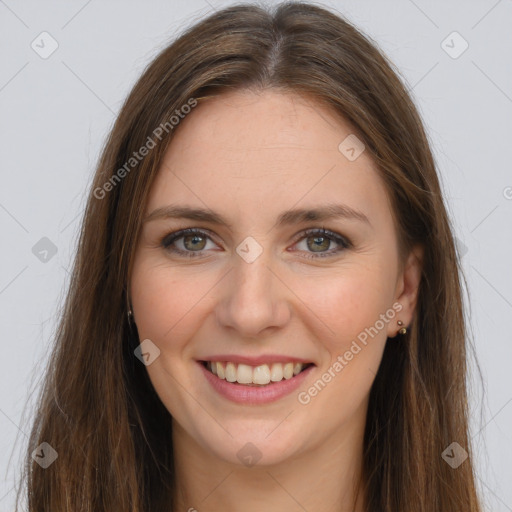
262	288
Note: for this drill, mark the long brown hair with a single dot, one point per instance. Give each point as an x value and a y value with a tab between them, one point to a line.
97	407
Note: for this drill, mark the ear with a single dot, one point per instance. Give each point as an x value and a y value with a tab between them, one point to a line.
407	287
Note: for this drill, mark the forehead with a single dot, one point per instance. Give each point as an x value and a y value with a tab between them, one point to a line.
251	154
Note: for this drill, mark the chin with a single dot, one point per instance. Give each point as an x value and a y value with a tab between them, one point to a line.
254	445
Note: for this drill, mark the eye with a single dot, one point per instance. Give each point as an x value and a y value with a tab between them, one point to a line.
316	240
192	242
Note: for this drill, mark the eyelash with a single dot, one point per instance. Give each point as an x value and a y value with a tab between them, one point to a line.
169	239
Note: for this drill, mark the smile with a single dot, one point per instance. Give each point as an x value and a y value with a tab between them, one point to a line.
252	385
260	375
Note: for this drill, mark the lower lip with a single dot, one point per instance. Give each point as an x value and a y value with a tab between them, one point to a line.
255	394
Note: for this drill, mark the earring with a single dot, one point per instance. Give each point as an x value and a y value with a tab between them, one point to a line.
130	314
403	330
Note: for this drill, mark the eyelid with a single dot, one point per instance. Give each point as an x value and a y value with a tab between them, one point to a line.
343	240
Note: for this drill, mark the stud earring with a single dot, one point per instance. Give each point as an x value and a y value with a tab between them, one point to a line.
130	314
403	330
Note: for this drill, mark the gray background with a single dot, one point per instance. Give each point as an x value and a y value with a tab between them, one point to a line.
55	113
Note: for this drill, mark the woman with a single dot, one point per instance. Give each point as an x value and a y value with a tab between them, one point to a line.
265	307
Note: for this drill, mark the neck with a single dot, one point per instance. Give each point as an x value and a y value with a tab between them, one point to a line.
324	478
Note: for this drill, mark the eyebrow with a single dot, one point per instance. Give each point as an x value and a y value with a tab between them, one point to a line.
289	217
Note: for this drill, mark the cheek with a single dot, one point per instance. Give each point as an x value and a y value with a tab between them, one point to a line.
167	307
349	303
352	309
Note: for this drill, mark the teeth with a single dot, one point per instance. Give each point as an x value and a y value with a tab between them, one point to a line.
231	373
244	374
261	374
255	375
276	374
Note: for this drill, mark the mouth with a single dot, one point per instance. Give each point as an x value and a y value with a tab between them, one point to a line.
255	376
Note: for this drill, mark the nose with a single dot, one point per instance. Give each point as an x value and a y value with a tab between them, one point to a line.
254	299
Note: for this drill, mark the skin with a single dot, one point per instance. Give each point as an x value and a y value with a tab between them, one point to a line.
250	156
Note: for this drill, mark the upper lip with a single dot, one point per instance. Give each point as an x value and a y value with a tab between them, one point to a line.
255	360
